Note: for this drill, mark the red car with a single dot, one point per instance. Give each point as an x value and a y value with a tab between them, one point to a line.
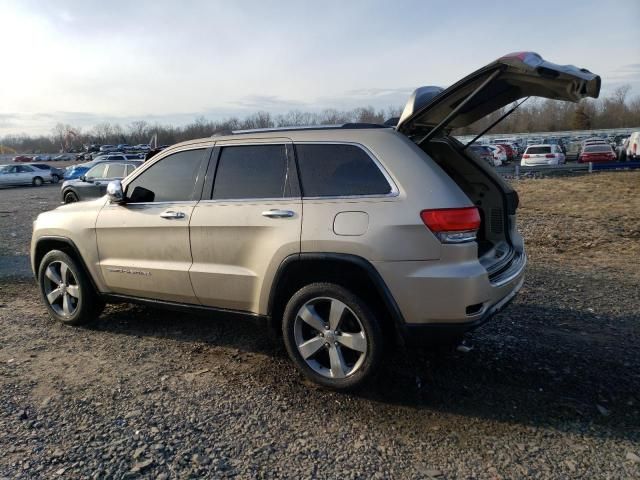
22	158
508	150
597	153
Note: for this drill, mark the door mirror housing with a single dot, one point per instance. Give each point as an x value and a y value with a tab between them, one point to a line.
115	193
83	178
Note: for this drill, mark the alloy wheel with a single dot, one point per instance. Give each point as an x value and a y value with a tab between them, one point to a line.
330	337
61	288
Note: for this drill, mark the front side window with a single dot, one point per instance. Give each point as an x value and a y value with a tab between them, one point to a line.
251	171
25	168
332	170
171	179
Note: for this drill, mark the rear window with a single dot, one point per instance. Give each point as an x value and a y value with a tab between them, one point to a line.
331	170
251	171
598	148
538	150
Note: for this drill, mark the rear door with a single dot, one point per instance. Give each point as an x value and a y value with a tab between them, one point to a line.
248	224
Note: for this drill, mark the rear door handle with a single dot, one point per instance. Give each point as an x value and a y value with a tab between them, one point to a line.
170	214
278	213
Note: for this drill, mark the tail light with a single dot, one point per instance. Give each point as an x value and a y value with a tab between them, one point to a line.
453	225
550	155
635	146
525	156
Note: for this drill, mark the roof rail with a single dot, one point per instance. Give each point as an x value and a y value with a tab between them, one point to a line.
310	127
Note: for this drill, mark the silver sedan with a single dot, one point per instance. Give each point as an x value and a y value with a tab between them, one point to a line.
23	175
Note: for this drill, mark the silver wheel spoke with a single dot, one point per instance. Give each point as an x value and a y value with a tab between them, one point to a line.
310	347
311	317
64	269
73	290
51	274
338	366
66	304
354	341
336	313
53	295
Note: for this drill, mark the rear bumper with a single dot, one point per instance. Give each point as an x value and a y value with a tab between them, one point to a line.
425	334
440	299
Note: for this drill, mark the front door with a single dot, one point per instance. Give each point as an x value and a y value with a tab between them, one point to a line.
250	223
143	244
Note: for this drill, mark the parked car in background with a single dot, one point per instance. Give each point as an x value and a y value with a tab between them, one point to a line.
57	174
621	150
76	171
499	155
107	148
93	183
23	158
597	153
61	158
484	152
573	151
23	175
545	154
41	158
633	147
511	155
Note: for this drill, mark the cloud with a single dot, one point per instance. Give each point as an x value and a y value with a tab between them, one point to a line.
267	102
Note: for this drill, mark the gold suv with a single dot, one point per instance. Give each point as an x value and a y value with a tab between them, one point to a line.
344	238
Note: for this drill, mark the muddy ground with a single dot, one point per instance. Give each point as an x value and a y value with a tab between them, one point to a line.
551	388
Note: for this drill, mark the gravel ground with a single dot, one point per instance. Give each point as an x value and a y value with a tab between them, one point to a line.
551	388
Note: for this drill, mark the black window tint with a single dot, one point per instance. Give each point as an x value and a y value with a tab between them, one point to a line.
337	170
251	171
172	179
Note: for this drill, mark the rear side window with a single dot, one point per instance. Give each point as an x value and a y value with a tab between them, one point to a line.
115	170
251	171
171	179
331	170
538	150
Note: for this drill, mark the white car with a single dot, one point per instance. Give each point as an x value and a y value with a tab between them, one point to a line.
544	154
633	147
499	155
24	175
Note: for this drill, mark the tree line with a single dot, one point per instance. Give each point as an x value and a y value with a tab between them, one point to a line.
536	115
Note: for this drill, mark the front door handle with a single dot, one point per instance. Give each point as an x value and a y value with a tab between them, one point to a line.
170	214
278	213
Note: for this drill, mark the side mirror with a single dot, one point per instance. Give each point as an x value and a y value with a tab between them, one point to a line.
114	192
83	178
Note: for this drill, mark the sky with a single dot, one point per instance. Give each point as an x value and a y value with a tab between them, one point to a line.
86	62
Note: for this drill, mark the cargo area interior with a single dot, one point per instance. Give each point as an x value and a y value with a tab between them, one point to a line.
486	193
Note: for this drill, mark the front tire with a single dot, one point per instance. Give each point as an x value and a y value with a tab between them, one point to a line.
332	336
37	182
70	197
66	290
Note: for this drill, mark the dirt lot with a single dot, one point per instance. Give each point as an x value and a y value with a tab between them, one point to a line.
551	388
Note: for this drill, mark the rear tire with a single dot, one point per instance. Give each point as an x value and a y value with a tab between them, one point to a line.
55	178
66	290
70	197
37	182
332	336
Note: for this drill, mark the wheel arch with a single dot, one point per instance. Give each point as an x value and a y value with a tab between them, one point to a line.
48	243
350	271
